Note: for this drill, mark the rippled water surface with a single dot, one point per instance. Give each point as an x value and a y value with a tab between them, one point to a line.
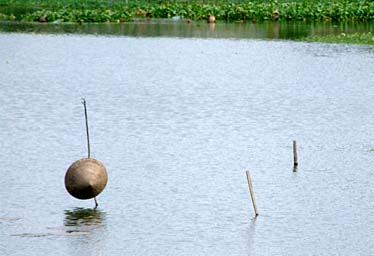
177	122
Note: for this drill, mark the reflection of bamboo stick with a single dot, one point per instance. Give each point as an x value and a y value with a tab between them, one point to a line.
295	161
251	192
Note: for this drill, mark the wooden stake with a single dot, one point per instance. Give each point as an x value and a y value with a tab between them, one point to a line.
295	161
251	192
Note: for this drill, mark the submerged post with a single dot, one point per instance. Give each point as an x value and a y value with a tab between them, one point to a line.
87	132
251	192
295	161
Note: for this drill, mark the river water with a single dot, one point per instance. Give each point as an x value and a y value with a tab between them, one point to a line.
177	122
183	29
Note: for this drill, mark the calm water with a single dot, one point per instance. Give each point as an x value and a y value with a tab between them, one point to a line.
177	122
180	28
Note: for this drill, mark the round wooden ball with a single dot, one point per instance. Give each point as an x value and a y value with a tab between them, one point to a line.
86	178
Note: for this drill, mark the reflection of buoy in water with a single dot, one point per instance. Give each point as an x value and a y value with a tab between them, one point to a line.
87	177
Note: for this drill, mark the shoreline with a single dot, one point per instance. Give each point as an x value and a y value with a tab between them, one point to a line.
116	11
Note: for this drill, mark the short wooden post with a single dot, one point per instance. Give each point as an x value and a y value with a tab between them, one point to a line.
295	161
251	192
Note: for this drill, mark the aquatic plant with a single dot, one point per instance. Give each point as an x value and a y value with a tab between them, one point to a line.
80	15
356	38
121	11
9	17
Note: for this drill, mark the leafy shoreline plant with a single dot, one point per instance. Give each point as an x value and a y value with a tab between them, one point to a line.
356	38
123	11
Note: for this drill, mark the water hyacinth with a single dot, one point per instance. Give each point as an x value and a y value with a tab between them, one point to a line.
10	17
122	11
355	38
79	15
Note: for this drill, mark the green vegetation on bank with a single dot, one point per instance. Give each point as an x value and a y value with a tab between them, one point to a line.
356	38
122	10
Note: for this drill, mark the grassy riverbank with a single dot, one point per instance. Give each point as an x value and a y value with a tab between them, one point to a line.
122	11
356	38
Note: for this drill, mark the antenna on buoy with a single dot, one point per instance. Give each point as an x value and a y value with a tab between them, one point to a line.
88	137
87	177
87	132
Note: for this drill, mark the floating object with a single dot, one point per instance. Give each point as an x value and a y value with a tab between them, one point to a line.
211	18
87	177
275	16
251	192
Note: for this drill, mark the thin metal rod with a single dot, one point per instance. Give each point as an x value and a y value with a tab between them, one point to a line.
96	204
251	192
88	137
88	134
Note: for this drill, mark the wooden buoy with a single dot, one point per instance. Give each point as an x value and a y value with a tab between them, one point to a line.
86	178
275	16
211	18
